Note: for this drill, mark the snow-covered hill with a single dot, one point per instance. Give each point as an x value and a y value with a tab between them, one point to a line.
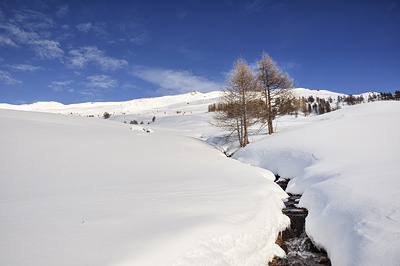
79	191
85	191
190	102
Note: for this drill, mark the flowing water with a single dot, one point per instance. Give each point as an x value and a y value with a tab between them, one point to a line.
298	246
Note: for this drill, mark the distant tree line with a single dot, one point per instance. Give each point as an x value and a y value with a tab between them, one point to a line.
388	96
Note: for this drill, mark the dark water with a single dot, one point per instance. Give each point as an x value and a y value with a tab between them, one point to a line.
298	246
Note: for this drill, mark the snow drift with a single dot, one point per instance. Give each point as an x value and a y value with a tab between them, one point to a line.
81	191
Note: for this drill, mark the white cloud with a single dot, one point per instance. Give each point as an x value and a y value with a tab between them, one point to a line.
176	81
18	34
8	79
99	84
5	41
32	29
79	58
24	67
62	85
46	49
84	27
33	21
101	81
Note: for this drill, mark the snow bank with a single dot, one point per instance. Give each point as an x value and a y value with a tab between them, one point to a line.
82	191
347	165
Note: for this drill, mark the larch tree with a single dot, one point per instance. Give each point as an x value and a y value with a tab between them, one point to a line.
241	102
276	88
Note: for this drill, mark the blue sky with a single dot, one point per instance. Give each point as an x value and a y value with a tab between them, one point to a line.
80	51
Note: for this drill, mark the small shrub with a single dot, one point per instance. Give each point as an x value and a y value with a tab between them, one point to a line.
106	115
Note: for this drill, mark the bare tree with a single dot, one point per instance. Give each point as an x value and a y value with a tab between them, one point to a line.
275	86
241	102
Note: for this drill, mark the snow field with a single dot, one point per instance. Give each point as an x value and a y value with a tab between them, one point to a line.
82	191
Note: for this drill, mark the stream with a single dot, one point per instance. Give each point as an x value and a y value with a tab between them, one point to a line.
298	246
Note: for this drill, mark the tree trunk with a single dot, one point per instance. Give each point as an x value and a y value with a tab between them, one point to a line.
269	111
238	132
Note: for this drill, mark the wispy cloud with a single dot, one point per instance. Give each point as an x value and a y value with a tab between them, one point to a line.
46	49
135	33
79	58
84	27
17	34
128	86
62	85
23	67
6	41
8	79
97	28
101	81
62	11
98	84
140	38
175	81
32	29
32	20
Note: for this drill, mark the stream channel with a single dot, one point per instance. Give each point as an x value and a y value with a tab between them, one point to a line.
298	246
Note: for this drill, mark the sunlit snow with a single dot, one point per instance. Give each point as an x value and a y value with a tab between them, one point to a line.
89	191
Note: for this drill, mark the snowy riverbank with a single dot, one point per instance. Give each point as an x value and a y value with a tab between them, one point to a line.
347	165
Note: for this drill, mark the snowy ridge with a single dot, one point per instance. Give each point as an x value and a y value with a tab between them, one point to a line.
324	94
118	108
189	102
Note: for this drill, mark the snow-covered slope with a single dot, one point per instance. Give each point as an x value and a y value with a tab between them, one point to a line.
324	94
190	102
347	164
81	191
160	105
